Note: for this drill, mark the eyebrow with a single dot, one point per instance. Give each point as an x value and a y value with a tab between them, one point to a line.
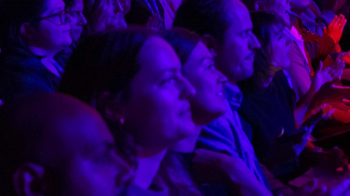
56	10
173	70
105	144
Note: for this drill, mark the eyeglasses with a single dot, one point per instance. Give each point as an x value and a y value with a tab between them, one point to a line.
60	18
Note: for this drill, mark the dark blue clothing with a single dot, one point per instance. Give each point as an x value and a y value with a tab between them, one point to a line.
21	72
270	113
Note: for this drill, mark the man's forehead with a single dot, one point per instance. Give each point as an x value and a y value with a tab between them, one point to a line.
239	15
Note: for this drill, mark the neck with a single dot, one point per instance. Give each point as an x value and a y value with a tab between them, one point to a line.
43	52
147	168
187	145
272	73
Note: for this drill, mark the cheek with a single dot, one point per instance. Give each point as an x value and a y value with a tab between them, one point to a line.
55	35
155	115
90	179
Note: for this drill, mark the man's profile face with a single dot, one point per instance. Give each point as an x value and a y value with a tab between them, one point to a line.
235	56
92	166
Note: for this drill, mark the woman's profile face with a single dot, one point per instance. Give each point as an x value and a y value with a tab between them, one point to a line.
53	32
209	101
278	48
158	109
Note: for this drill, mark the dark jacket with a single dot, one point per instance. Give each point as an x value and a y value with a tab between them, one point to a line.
270	113
21	72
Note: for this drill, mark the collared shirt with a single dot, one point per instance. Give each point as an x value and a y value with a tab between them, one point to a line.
226	134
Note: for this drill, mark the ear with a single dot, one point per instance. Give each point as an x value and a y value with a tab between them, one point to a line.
28	179
211	43
110	106
260	5
27	31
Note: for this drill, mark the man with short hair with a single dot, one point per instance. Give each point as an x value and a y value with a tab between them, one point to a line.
52	144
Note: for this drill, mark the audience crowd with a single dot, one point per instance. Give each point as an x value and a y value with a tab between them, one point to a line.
174	98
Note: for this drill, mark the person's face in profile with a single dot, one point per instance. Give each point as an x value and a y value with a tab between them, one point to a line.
78	19
53	31
92	165
235	56
209	101
158	108
278	48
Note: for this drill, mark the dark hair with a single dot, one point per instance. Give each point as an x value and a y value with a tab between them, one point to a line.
13	14
262	22
105	62
250	4
182	40
204	17
70	3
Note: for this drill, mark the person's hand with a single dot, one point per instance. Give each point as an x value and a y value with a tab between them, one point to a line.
345	56
210	166
335	28
299	147
331	74
154	22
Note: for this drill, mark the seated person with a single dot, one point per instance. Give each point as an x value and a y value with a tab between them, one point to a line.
229	134
208	104
33	32
268	99
102	15
78	21
133	78
52	144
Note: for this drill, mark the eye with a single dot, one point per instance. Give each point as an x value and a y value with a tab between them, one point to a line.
210	66
108	157
167	81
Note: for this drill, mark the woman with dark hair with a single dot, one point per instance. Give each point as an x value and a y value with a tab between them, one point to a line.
133	78
280	131
32	33
183	171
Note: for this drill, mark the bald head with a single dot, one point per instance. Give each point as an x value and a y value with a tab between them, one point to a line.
58	134
42	122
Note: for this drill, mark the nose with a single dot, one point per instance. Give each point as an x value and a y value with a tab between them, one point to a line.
82	20
68	18
253	42
187	90
125	173
118	7
222	79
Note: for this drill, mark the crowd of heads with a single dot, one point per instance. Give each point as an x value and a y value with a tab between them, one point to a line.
94	105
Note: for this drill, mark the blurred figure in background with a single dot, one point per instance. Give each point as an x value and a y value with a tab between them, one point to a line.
103	15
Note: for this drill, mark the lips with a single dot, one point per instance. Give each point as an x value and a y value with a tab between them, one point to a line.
186	110
250	57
